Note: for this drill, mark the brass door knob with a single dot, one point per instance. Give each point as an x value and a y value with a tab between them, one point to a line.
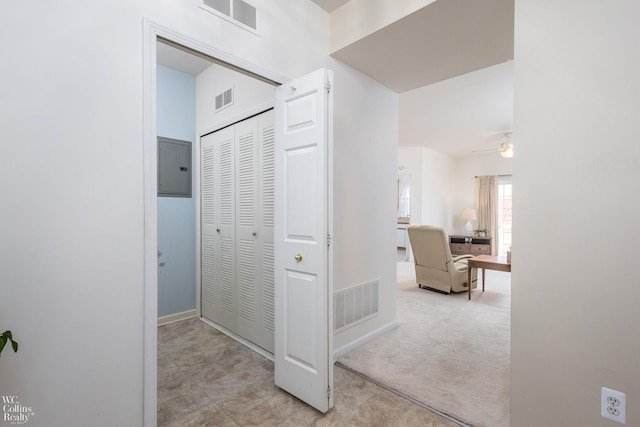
217	230
254	234
298	257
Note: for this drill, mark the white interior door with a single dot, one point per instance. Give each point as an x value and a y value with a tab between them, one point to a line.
303	286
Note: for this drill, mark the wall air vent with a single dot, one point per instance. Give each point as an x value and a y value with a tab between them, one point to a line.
355	305
222	6
239	12
245	13
224	99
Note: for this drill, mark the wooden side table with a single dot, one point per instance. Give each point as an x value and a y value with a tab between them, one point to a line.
490	262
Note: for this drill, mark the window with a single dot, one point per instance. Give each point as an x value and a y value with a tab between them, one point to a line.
404	198
504	214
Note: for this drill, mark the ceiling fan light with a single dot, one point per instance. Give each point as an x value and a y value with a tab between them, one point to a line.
506	150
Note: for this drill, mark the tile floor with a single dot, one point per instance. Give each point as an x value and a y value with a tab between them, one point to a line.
208	379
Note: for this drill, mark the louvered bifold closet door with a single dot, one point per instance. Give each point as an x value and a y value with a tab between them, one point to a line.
218	227
237	166
247	253
254	229
266	176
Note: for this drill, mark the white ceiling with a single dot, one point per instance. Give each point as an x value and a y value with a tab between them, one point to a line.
442	61
460	115
181	59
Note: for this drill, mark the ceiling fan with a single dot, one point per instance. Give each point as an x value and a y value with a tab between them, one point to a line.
505	149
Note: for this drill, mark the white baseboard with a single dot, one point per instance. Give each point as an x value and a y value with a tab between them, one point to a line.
176	317
338	353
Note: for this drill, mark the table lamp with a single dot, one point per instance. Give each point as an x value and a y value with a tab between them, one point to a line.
470	215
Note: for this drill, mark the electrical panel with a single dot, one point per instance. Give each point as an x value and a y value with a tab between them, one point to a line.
174	168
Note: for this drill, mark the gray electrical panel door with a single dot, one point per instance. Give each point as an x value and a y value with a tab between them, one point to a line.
174	168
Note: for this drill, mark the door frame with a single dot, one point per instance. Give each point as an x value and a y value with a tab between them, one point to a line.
153	31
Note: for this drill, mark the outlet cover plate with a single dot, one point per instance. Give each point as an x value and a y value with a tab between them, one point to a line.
613	405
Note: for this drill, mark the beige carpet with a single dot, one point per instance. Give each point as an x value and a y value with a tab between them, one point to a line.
448	353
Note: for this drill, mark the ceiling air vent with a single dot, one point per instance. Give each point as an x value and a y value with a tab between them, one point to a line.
239	12
224	99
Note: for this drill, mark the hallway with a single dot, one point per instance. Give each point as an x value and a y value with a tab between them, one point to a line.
206	378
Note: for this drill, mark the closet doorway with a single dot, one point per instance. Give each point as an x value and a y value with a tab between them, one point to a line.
302	142
225	104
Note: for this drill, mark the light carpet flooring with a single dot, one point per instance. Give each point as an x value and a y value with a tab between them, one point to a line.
448	353
206	378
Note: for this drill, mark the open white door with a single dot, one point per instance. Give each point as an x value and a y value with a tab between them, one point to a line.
303	285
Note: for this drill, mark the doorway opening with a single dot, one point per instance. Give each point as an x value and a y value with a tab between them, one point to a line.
191	103
192	54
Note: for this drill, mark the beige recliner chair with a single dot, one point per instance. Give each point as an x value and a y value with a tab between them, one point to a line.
436	269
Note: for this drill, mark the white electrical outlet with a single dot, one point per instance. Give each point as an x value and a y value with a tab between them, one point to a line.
613	405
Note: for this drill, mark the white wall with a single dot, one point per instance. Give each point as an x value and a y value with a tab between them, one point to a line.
576	173
442	186
472	111
438	187
433	185
467	168
248	93
176	105
73	234
364	178
365	141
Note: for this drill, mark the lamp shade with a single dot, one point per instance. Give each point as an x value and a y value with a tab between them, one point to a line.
469	214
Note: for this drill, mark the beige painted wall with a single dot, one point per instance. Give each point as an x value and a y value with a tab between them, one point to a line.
575	297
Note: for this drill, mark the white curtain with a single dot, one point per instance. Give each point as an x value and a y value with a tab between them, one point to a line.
487	207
